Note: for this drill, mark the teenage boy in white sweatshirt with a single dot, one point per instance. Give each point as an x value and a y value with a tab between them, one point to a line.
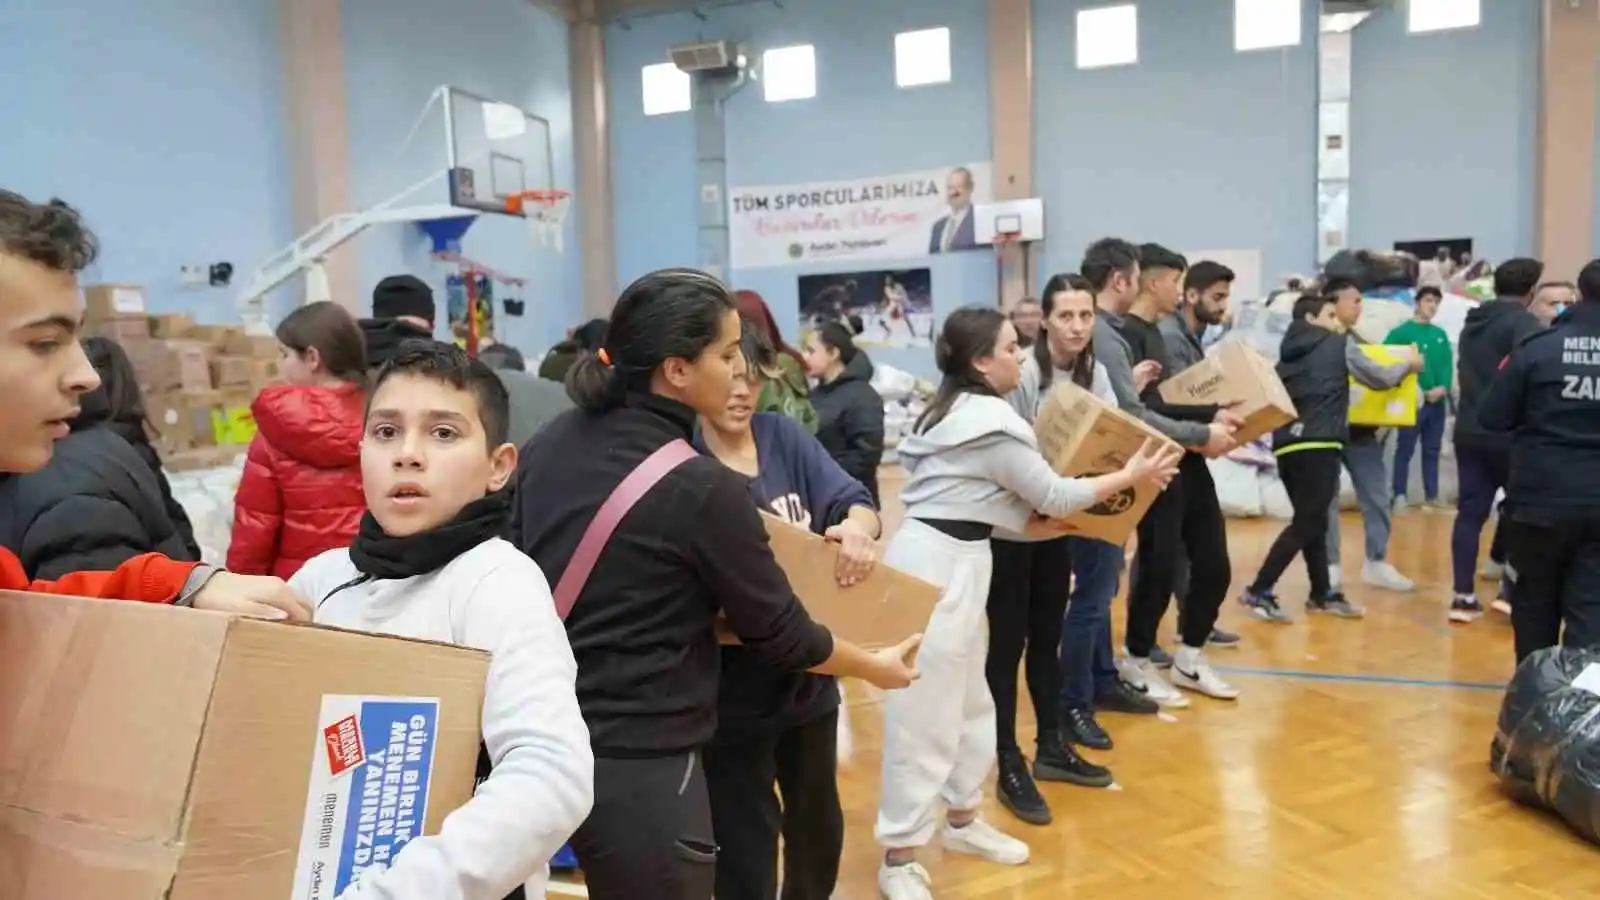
429	562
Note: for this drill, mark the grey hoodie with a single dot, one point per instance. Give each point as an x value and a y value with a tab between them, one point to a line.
1112	350
981	463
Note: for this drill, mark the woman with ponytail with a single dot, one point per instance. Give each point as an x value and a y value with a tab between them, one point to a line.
664	545
974	466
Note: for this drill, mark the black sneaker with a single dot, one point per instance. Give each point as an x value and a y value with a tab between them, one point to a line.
1465	608
1264	607
1080	727
1220	638
1123	697
1058	761
1335	605
1160	658
1017	791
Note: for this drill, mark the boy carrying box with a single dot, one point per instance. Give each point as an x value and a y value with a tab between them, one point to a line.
429	562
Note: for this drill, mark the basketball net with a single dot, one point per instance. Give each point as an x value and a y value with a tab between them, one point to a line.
546	213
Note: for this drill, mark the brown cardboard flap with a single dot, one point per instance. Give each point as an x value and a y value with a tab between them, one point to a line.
47	857
881	611
90	729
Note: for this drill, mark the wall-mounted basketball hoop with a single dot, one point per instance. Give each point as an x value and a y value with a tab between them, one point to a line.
546	212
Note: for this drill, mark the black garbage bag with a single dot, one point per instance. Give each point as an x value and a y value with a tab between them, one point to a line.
1370	270
1546	748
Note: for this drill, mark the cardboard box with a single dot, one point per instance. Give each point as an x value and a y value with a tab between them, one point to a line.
881	611
1235	373
178	366
125	330
220	337
1394	408
154	753
183	420
1081	435
171	326
106	301
230	371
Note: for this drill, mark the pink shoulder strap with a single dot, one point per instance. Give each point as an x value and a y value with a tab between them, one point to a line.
638	483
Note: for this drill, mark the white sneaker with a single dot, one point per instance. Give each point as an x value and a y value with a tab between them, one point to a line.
1190	671
1400	506
1143	674
979	838
907	882
1492	571
1381	574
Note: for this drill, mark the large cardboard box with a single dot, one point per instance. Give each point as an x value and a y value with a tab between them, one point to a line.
1237	374
1081	435
105	301
880	611
184	420
148	752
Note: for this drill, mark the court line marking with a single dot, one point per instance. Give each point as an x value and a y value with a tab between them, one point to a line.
1395	680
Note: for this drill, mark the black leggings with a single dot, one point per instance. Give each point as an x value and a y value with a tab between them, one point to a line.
649	834
1311	479
748	817
1183	526
1027	598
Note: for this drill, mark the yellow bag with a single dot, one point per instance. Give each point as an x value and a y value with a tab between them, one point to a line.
1394	408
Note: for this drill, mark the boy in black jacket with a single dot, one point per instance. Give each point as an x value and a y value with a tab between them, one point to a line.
1546	402
1312	366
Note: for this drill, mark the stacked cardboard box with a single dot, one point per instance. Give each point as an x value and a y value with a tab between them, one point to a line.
198	380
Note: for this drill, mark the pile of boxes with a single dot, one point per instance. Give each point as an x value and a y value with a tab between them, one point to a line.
198	380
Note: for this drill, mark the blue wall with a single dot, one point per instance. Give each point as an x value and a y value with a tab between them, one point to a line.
1442	131
1195	147
396	53
858	125
164	126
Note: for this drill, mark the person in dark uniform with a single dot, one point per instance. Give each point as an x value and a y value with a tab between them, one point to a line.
1547	397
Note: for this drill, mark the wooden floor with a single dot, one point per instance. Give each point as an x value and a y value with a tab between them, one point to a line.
1354	765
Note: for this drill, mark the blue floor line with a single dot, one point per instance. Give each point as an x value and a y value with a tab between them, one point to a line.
1365	679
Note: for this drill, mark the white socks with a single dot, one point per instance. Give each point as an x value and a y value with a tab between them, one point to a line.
1187	659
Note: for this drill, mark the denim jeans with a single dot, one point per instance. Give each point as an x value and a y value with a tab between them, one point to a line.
1364	461
1086	661
1430	428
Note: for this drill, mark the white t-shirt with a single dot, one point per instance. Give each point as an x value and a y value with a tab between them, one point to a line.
494	598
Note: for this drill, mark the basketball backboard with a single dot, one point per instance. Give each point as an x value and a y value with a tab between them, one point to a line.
496	149
1021	220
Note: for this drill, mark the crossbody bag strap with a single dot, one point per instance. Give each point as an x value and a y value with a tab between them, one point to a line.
638	483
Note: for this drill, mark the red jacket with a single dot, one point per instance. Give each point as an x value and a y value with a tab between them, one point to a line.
301	490
150	577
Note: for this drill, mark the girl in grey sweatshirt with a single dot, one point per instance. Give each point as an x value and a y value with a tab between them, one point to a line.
974	467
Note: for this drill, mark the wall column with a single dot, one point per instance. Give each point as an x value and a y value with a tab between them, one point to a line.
318	133
591	146
1011	126
1569	92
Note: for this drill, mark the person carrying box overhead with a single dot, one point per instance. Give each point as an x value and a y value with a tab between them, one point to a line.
43	247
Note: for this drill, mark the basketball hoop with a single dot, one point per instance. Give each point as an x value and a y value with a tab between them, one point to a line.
546	212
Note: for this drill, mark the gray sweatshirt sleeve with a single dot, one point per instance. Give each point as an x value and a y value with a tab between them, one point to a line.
1020	469
1025	397
1369	371
1114	356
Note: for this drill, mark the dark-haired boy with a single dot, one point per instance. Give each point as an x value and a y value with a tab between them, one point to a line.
1311	364
43	247
430	562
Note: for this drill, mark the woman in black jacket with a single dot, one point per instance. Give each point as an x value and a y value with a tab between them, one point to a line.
92	508
643	625
120	408
849	410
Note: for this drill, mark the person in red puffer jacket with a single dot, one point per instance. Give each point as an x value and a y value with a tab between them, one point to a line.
301	490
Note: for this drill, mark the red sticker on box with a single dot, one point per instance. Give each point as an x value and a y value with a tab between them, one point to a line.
345	750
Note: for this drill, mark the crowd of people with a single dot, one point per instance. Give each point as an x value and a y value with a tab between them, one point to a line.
657	696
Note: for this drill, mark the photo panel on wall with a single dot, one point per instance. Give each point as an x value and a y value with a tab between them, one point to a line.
885	307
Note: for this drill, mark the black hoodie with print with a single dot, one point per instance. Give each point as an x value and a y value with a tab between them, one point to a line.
1312	366
1490	332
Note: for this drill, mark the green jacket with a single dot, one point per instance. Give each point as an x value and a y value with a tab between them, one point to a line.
1438	361
789	393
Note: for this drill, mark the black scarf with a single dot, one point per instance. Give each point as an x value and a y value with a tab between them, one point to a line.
378	555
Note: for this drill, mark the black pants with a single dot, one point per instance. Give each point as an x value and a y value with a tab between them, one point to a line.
1027	598
1311	479
1184	525
649	834
1558	583
748	817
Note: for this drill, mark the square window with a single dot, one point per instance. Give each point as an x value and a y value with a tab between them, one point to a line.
1108	36
789	73
1441	15
1265	24
666	89
922	57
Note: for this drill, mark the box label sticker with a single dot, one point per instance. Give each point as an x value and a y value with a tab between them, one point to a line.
368	796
